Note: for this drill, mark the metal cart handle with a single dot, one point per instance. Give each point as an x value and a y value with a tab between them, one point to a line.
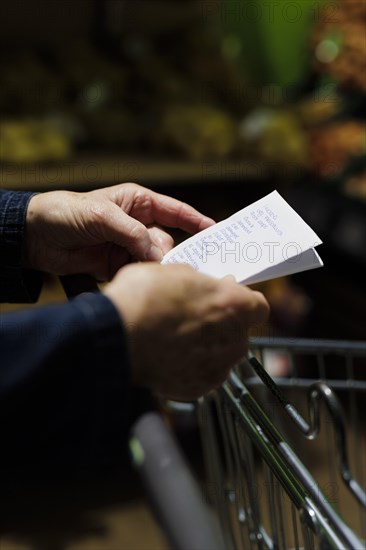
177	500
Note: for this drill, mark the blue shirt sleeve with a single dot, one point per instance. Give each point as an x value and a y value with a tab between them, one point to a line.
64	382
17	284
64	369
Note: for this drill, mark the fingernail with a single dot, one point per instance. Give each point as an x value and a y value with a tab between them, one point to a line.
154	254
229	278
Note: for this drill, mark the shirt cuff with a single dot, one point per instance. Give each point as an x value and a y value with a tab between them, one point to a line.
17	284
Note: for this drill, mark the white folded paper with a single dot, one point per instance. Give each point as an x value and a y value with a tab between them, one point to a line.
265	240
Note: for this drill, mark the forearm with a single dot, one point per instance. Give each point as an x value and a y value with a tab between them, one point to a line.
64	380
17	284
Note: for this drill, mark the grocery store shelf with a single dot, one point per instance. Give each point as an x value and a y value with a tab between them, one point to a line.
91	171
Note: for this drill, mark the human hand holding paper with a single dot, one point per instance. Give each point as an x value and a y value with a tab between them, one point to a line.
264	240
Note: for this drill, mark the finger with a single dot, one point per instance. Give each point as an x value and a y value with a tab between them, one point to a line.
125	231
230	278
174	213
161	238
256	307
151	207
250	304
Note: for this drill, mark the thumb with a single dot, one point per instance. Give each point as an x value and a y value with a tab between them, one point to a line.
123	230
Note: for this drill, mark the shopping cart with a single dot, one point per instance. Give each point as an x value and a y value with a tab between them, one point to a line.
276	479
285	458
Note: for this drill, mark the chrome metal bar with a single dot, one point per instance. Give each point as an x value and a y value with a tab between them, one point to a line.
295	478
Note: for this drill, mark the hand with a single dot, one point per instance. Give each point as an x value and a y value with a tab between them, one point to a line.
98	232
185	330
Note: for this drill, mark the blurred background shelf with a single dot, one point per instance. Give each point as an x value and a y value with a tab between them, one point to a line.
93	170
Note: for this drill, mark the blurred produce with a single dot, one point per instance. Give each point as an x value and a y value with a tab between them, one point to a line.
165	78
333	146
339	44
32	141
160	83
355	185
270	38
330	194
324	131
198	131
278	137
320	106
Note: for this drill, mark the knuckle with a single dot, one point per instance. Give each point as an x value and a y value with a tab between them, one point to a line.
138	232
132	186
142	198
98	214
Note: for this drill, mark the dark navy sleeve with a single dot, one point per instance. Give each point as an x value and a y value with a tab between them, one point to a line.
17	284
64	382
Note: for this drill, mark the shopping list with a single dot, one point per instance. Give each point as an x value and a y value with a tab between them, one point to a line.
265	240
